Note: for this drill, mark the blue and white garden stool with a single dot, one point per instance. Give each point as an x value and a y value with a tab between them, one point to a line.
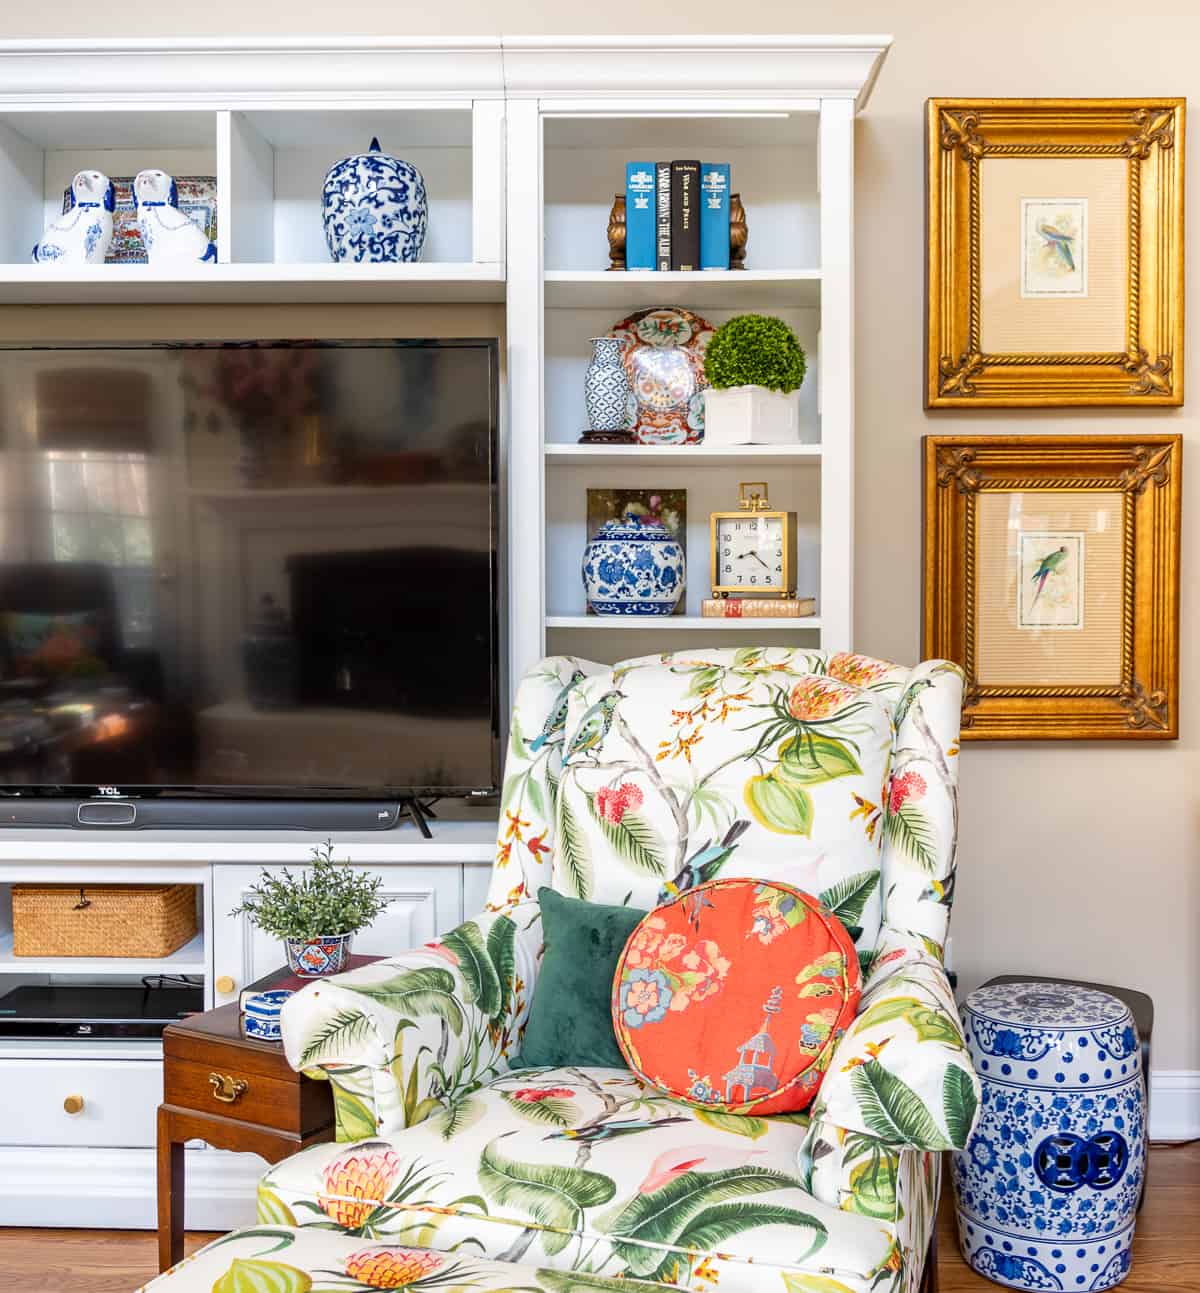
1047	1190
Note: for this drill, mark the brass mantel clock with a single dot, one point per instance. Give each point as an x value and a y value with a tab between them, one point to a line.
754	548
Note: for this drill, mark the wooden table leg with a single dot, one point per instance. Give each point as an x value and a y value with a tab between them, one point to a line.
170	1193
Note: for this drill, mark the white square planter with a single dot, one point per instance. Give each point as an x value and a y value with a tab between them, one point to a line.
751	415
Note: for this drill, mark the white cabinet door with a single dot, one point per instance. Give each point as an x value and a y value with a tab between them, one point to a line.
426	901
476	877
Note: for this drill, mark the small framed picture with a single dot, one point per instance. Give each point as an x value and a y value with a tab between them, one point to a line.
1055	252
1052	578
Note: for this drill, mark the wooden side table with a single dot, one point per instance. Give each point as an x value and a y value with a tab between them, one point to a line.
232	1092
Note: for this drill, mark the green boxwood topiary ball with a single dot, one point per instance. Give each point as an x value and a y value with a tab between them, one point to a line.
755	350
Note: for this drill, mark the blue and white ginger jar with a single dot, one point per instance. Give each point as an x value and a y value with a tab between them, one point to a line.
375	209
1048	1186
633	567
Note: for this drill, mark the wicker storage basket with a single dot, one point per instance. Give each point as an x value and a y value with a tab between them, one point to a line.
118	920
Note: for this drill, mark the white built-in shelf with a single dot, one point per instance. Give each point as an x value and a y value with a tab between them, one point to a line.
678	455
715	289
189	959
446	282
659	623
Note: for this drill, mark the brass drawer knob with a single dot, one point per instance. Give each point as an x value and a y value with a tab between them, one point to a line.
73	1104
225	985
226	1089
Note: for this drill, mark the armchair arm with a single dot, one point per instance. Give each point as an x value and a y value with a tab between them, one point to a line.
901	1073
405	1036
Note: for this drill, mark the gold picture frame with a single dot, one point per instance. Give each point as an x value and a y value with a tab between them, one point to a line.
1024	197
1052	577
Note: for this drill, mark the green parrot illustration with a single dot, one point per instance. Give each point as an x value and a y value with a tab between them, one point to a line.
705	864
595	724
1059	242
608	1130
905	703
1049	564
556	720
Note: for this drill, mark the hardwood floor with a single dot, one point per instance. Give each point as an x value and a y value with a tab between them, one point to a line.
1166	1254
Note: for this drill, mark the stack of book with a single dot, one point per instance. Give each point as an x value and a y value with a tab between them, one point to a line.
677	215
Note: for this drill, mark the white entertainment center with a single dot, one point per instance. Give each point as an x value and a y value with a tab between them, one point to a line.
523	143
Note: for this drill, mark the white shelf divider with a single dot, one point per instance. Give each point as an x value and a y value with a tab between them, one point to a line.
660	623
681	455
189	959
716	289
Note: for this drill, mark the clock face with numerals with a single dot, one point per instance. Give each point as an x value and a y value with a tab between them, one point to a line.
750	553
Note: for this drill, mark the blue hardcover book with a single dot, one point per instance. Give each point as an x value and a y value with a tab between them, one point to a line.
640	215
714	215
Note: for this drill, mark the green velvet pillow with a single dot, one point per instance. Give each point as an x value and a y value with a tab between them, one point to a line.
570	1018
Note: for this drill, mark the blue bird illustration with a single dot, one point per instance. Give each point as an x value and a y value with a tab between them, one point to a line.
1059	241
939	891
595	724
705	864
556	720
610	1130
1049	564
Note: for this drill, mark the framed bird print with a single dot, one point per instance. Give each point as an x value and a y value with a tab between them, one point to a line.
1052	578
1054	271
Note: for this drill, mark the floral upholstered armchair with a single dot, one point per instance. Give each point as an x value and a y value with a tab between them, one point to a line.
629	784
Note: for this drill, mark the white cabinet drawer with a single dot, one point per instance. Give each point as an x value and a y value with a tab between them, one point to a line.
120	1101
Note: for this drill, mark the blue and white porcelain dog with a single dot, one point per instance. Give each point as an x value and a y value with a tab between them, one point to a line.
80	236
171	237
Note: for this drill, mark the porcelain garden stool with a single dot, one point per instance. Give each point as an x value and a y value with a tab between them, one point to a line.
1047	1188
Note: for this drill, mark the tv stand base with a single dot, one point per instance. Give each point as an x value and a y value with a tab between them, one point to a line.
419	812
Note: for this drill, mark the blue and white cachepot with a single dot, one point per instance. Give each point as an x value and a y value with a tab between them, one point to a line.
1047	1189
375	208
633	567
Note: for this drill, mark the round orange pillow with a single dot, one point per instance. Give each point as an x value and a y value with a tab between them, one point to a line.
734	994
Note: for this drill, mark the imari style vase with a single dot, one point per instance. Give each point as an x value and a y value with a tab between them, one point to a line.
313	958
375	208
606	387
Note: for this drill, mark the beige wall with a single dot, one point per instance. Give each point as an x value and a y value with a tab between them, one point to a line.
1075	859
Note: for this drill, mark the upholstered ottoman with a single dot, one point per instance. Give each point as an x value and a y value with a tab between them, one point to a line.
1047	1188
286	1259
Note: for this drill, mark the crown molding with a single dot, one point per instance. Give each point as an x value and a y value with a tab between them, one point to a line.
356	68
249	69
734	67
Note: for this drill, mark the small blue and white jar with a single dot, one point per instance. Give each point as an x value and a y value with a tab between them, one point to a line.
375	209
260	1015
1047	1189
606	387
633	567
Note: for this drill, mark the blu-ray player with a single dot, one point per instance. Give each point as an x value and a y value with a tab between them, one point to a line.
95	1010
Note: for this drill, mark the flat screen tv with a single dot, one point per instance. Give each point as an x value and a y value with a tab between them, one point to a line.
249	571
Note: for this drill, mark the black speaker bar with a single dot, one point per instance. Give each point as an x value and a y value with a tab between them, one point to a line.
203	814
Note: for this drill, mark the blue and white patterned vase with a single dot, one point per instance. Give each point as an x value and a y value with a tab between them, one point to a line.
1047	1190
606	387
633	567
375	208
260	1015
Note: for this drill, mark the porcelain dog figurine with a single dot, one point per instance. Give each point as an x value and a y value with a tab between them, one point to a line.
171	238
80	236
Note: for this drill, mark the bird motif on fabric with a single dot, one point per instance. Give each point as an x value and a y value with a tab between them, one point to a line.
596	1132
1059	242
556	720
1049	564
81	235
906	701
705	864
595	724
939	891
170	235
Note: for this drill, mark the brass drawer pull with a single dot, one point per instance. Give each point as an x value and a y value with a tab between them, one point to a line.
227	1089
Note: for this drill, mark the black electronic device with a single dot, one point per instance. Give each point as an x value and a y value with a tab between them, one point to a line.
248	584
96	1011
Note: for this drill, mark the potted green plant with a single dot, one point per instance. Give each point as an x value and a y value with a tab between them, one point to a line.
316	914
754	366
